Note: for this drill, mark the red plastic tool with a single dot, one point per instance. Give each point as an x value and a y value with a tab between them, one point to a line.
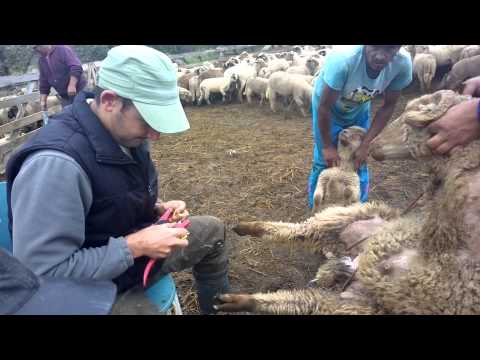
167	215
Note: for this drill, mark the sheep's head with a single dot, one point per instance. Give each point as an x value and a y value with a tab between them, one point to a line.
312	64
406	137
297	49
349	140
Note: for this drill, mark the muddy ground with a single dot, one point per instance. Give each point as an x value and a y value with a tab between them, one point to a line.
241	162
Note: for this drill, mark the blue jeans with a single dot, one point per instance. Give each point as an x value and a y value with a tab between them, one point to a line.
319	164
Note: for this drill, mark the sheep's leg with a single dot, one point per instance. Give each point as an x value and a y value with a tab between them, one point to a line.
202	96
300	104
207	96
292	302
240	91
273	100
248	93
333	229
334	272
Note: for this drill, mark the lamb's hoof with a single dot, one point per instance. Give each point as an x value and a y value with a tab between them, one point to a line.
234	303
249	228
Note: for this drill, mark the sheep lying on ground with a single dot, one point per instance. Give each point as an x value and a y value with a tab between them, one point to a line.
223	85
424	67
461	71
256	86
289	85
423	263
340	185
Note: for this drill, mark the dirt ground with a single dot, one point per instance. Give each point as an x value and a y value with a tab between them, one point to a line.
241	162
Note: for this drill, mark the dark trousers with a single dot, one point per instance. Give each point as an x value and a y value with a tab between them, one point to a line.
207	256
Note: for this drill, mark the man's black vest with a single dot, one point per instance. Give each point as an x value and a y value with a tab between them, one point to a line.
124	189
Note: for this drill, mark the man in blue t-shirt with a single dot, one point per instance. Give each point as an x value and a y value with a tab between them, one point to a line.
349	80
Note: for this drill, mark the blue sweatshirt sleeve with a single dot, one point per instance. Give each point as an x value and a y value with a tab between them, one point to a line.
51	197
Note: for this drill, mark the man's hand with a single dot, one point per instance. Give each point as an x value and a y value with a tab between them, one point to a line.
330	155
360	156
457	127
179	207
472	87
72	90
157	241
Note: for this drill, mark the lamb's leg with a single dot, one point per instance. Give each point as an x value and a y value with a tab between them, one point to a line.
292	302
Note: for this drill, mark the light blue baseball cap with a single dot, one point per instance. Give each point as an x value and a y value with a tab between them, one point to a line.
148	78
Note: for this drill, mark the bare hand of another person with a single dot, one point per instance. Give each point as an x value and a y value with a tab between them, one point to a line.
457	127
472	87
330	155
360	156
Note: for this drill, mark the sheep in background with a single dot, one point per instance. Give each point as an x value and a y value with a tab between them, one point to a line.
256	86
222	85
424	67
289	85
461	71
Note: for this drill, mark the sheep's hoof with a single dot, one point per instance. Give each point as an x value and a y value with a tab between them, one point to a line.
234	303
249	228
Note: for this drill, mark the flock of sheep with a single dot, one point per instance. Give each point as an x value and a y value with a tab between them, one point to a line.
288	75
463	61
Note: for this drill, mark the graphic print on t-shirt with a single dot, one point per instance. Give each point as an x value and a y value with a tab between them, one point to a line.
357	97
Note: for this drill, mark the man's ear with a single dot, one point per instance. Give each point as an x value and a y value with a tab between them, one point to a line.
108	100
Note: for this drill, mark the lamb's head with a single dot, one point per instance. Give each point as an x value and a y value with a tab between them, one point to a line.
349	140
259	64
406	137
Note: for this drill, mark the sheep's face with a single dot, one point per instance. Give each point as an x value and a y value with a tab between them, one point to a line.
406	137
351	138
297	49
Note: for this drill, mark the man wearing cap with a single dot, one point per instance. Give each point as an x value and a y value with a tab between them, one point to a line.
82	193
61	68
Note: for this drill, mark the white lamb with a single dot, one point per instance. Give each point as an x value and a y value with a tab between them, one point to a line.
223	85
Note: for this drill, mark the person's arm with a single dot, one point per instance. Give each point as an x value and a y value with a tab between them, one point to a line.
43	86
51	197
73	62
335	73
328	99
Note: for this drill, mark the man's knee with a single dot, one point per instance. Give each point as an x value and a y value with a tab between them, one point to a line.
207	229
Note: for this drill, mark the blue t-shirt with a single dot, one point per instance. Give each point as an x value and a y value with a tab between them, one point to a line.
345	71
